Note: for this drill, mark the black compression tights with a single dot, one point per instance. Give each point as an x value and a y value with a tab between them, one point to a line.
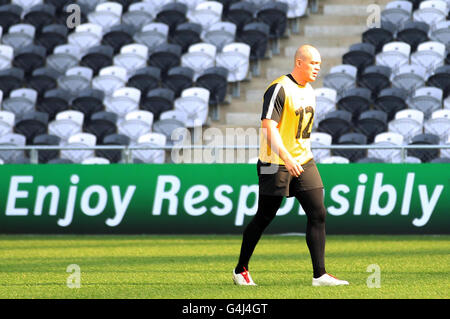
312	203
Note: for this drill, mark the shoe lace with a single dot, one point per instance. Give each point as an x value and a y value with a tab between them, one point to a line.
245	275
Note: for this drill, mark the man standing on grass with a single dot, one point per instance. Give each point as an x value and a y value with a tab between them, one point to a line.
286	166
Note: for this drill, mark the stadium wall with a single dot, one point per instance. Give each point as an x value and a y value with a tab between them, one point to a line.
216	199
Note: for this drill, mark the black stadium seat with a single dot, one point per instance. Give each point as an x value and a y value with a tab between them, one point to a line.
440	78
11	79
274	14
178	78
355	100
53	102
51	36
351	139
378	37
40	15
375	78
145	79
371	123
98	57
43	80
88	102
425	155
413	33
186	34
158	100
165	57
30	58
10	14
256	35
336	123
172	14
215	80
47	139
360	55
241	13
101	124
118	36
391	100
114	156
31	125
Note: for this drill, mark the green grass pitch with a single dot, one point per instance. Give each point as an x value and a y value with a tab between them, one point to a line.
199	267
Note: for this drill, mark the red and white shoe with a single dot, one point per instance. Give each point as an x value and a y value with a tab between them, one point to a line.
328	280
243	278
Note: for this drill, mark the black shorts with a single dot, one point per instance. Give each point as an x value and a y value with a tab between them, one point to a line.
275	179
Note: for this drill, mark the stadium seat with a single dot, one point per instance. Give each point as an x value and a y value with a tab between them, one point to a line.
19	35
340	78
64	57
220	34
135	124
7	120
165	57
172	14
20	102
96	160
439	124
98	57
393	55
440	78
10	14
46	139
40	15
53	102
132	57
168	124
353	155
152	35
214	79
431	11
200	56
375	78
101	124
106	14
440	32
122	101
397	12
110	79
79	140
320	139
86	35
425	155
240	13
409	77
235	57
43	80
407	123
118	36
145	79
274	14
256	35
139	14
158	100
388	139
178	78
76	79
186	34
391	100
60	161
11	79
114	156
360	55
88	101
426	99
429	55
413	33
206	13
12	139
194	102
378	37
355	100
367	160
336	123
29	58
325	102
51	36
147	155
31	124
372	122
66	124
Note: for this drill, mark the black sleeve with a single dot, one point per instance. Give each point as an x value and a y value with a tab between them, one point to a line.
273	103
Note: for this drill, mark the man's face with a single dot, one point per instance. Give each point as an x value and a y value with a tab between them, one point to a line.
310	66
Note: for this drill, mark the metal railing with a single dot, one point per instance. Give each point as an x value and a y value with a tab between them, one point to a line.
127	151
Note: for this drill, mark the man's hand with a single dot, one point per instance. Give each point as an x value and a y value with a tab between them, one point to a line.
294	168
